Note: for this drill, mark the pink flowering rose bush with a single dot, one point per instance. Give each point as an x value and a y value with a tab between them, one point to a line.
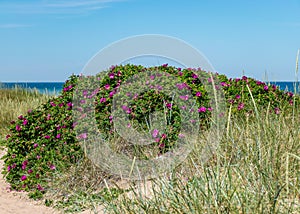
44	142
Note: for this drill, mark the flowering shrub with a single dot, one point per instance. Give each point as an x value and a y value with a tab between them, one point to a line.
43	141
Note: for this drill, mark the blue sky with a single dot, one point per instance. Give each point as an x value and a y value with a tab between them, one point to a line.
44	40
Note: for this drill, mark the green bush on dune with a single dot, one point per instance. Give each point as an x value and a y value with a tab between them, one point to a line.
43	141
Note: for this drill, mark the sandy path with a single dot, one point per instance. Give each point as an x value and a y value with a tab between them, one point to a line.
17	202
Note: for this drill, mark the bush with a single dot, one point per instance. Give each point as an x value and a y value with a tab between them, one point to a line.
43	141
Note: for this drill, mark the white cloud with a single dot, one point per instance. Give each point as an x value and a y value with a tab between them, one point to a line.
14	26
54	6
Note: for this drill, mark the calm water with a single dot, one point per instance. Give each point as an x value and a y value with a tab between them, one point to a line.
56	87
42	87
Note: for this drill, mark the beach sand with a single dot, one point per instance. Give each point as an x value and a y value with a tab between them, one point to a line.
17	202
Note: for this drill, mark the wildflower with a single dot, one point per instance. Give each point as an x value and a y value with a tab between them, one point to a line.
180	73
111	94
47	137
163	136
48	116
224	84
169	105
244	78
194	76
58	136
209	108
155	133
241	106
237	96
277	111
152	77
52	167
23	177
25	122
82	136
185	97
14	165
157	140
20	117
179	69
259	83
8	168
128	125
111	75
202	109
40	188
37	175
35	145
82	101
70	104
119	73
38	157
30	171
23	167
291	102
107	86
162	145
102	100
181	135
237	79
266	88
183	107
13	156
209	80
198	94
18	128
52	104
7	136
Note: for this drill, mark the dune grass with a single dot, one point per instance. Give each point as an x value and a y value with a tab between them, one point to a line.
15	102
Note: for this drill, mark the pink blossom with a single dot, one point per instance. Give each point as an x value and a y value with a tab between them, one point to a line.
237	96
25	122
162	145
30	171
198	94
35	145
18	128
157	140
241	106
47	137
38	157
155	133
82	136
185	97
107	86
8	168
277	111
52	167
111	75
40	188
58	136
202	109
169	105
102	100
266	88
23	177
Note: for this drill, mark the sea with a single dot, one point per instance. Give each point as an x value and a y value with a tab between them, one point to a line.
55	88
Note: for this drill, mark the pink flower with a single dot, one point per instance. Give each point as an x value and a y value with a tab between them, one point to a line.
8	168
58	136
70	104
47	137
111	75
40	188
52	104
25	122
198	94
266	88
181	135
38	157
23	177
18	128
194	76
162	145
7	136
155	133
107	86
30	171
82	136
237	96
241	106
48	116
52	167
169	105
163	136
102	100
185	97
277	111
20	117
157	140
202	109
180	73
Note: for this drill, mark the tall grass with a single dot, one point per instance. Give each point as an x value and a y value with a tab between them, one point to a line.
17	101
259	172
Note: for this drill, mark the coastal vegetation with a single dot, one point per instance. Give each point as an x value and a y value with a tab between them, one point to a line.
255	168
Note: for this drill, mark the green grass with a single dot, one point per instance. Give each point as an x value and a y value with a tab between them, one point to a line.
15	102
255	169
